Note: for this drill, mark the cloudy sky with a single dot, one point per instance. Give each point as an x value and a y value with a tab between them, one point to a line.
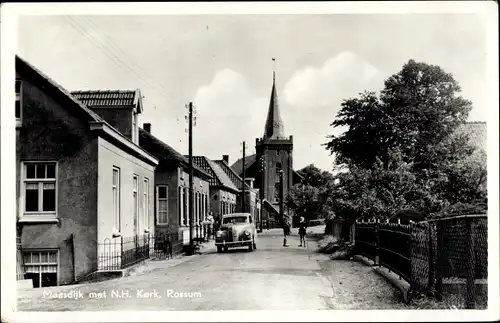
223	64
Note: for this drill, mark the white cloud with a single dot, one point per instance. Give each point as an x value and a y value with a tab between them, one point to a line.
340	77
227	114
314	96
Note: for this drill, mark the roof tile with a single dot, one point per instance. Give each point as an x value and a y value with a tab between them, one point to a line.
220	178
107	98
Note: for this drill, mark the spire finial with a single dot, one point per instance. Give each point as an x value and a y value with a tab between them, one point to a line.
274	69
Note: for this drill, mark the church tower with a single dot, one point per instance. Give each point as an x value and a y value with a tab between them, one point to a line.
274	153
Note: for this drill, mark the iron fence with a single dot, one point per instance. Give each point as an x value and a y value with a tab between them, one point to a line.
394	248
122	252
444	258
450	259
366	240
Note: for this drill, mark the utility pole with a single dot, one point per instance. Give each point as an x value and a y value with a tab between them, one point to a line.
282	209
262	169
243	206
191	197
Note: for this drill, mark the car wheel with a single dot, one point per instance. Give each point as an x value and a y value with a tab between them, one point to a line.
250	246
219	249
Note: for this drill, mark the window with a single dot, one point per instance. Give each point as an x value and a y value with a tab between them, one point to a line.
40	189
145	201
162	204
116	199
136	205
41	267
181	206
19	109
198	201
186	210
206	204
234	220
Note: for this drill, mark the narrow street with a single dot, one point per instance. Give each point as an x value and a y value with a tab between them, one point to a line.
271	278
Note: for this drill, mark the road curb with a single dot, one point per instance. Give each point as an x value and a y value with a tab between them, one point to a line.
402	285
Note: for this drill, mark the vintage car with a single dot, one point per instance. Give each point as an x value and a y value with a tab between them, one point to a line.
236	230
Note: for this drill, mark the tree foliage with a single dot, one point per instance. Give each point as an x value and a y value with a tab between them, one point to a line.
307	198
402	149
314	176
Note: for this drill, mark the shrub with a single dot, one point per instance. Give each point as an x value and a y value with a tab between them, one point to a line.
461	209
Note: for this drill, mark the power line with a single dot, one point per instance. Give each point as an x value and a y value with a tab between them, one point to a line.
119	62
118	48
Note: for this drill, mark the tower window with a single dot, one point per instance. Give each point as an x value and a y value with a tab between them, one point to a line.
278	166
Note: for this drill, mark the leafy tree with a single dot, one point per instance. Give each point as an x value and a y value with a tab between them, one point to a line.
402	150
416	111
314	176
305	200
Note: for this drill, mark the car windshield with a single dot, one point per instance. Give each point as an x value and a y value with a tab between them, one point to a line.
233	220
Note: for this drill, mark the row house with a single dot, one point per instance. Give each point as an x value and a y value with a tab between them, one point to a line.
172	190
252	199
81	179
223	192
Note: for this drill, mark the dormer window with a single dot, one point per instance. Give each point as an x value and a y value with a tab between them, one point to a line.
19	109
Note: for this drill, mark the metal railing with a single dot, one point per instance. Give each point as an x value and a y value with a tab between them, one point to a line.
122	252
439	258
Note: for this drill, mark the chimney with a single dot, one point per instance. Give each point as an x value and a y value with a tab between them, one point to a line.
225	158
249	181
147	127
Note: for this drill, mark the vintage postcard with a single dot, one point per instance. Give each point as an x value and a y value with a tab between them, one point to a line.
228	161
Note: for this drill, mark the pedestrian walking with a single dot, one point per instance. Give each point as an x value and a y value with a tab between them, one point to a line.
210	225
286	229
218	220
302	231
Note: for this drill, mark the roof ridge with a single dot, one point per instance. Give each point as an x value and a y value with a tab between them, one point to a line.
226	165
94	115
167	146
106	91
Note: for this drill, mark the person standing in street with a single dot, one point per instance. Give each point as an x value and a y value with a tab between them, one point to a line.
210	225
302	231
286	229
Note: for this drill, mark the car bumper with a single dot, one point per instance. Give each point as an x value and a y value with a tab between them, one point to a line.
233	243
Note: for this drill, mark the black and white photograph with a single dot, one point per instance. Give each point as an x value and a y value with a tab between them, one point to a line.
221	161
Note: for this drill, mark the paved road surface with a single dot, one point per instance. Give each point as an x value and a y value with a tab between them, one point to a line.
271	278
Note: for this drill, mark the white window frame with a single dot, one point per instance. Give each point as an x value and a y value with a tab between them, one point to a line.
186	209
40	264
135	201
19	98
116	191
37	216
145	202
180	207
158	218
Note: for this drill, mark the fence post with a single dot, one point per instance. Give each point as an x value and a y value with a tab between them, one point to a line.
377	244
471	267
440	261
353	233
432	268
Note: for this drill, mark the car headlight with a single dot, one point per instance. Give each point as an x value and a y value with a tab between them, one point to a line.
247	233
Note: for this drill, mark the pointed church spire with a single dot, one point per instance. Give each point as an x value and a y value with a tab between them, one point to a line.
274	124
